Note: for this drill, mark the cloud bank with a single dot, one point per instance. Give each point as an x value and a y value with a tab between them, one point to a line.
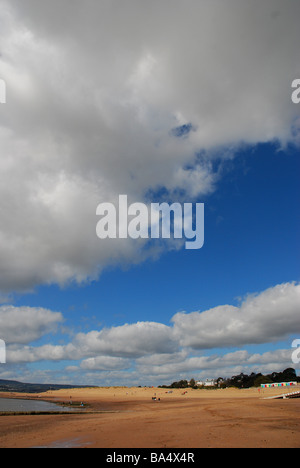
105	98
159	351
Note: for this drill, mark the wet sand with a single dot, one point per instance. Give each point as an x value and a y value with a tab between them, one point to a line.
129	418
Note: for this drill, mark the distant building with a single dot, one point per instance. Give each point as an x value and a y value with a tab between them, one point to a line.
207	383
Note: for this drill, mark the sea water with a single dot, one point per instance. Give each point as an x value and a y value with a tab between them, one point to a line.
17	405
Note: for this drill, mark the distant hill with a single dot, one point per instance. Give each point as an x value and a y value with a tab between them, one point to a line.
20	387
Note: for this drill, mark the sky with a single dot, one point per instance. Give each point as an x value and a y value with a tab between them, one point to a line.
164	101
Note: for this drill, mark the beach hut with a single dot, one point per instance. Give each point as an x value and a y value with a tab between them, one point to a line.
281	384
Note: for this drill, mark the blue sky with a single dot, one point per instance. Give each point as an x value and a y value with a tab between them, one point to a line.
251	231
251	238
94	112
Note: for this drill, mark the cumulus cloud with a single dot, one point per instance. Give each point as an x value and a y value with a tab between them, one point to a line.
112	345
154	352
91	104
29	354
217	365
266	317
104	363
129	340
23	325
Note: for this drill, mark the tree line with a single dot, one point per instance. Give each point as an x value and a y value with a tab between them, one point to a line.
242	380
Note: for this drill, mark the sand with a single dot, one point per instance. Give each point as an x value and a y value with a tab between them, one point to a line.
129	418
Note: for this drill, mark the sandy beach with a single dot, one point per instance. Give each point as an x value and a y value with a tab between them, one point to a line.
130	418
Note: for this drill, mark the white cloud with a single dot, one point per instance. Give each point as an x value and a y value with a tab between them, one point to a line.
108	347
92	100
129	340
214	366
266	317
104	363
147	352
23	325
29	354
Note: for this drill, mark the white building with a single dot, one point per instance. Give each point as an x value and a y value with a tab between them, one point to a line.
207	383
